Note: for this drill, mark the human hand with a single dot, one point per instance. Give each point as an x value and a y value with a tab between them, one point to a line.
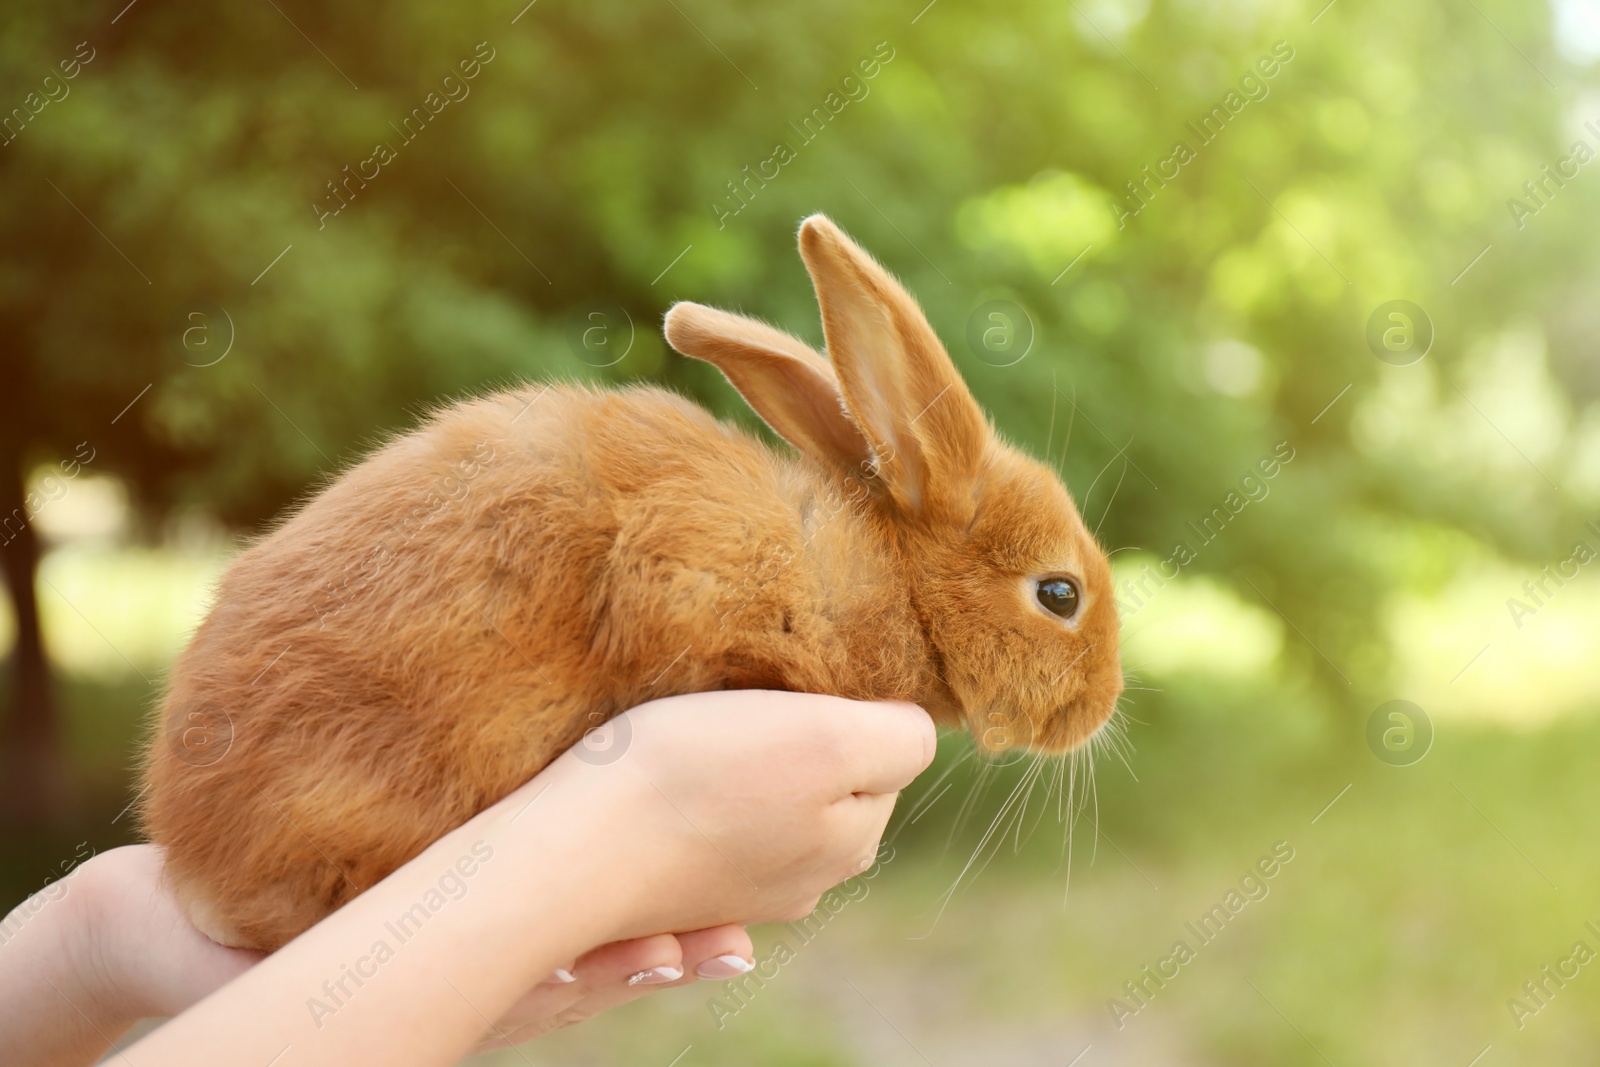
746	805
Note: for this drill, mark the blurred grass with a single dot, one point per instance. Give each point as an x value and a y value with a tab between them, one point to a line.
1394	936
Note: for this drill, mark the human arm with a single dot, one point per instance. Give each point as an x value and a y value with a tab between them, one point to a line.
727	807
88	956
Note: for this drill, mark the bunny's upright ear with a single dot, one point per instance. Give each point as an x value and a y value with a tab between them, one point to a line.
926	433
788	384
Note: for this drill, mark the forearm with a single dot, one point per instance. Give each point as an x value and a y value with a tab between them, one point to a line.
730	806
416	968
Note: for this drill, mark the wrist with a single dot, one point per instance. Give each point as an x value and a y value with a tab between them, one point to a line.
582	831
92	957
54	1007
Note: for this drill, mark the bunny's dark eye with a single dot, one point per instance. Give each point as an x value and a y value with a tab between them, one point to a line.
1059	597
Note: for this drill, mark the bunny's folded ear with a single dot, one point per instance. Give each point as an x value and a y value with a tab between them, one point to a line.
926	432
788	384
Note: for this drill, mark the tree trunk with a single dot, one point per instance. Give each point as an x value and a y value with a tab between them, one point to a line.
35	787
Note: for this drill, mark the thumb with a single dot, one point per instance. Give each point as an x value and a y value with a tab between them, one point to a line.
885	745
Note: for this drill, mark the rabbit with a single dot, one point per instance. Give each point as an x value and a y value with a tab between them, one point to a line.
443	619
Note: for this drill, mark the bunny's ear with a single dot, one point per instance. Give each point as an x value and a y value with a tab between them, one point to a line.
788	384
926	433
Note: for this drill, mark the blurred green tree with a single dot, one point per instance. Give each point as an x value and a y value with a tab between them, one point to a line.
230	164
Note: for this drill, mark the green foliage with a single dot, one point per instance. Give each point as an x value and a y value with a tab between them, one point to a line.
978	161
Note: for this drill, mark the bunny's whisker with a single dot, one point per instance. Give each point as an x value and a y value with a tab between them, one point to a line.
970	802
1114	457
1076	760
1018	814
1009	807
1117	489
930	796
1051	435
1034	775
1072	420
1063	799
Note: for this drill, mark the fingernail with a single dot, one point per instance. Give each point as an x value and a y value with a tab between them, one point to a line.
562	975
725	967
656	975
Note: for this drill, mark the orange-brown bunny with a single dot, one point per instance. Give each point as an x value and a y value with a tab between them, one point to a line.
440	622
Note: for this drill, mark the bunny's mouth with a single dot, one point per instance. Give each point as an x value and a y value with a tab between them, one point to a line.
1066	731
1076	724
1003	726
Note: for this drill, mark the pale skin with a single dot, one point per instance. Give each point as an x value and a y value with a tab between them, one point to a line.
725	809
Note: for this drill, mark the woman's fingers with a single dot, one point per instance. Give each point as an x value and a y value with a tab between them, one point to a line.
617	973
644	961
880	747
863	818
609	975
862	746
561	976
720	952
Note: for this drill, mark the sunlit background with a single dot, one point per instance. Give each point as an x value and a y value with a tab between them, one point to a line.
1163	241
